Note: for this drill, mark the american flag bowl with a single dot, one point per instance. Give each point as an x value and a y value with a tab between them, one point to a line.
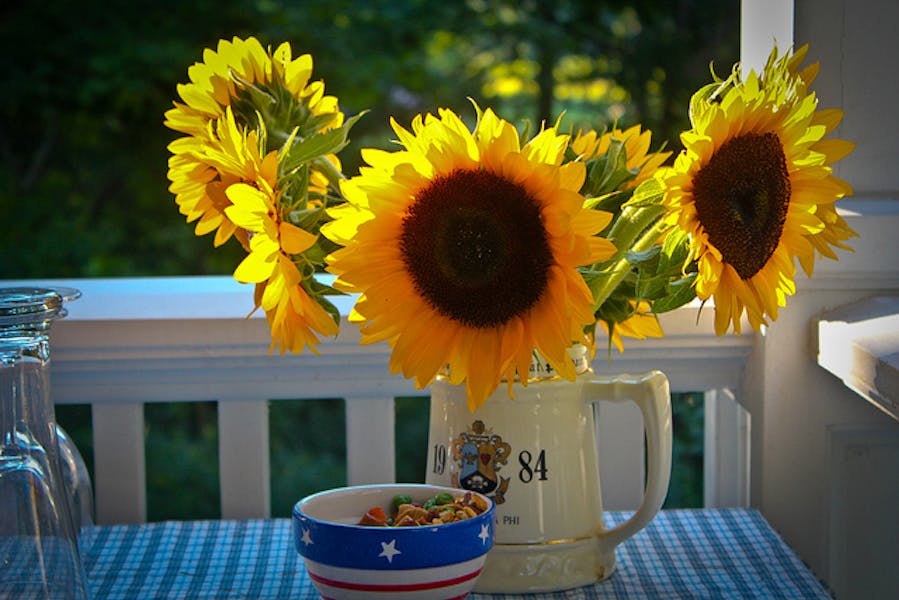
346	561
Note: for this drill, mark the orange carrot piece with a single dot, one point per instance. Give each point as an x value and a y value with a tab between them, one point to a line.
375	517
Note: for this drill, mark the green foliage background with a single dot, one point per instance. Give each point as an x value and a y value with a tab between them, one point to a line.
83	188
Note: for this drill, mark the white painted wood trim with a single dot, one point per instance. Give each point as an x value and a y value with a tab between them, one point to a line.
726	461
859	343
370	440
120	482
244	471
862	517
762	24
124	334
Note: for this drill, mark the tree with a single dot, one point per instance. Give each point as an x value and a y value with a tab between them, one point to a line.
83	188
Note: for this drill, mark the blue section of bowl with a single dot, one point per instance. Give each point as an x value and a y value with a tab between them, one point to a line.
392	548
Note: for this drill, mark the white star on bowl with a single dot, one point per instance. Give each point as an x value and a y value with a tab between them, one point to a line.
388	550
306	539
485	533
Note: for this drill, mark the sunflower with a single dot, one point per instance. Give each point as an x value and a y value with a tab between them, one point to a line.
236	74
292	314
263	92
754	189
640	160
464	247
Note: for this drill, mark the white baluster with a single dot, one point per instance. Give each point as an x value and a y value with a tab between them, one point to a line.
120	480
244	472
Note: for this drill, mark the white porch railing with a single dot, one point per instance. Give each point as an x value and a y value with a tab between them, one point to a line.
128	342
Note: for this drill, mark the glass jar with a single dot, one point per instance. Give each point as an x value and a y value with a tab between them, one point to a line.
77	482
39	550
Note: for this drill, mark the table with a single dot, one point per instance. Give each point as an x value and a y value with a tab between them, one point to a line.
708	553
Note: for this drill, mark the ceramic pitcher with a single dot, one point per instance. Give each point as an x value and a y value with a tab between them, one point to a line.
536	456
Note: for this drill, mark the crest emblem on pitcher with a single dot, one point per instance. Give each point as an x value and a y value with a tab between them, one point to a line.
479	455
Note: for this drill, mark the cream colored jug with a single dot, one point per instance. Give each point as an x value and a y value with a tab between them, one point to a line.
536	456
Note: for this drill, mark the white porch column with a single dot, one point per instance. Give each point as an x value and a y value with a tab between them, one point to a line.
762	23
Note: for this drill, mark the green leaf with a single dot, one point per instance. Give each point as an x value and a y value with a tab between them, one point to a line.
616	308
307	218
680	292
632	223
702	96
675	249
649	193
595	280
329	307
610	202
319	144
652	287
316	123
608	172
315	254
643	257
315	286
295	191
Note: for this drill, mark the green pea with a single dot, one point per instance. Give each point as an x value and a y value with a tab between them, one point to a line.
443	498
400	499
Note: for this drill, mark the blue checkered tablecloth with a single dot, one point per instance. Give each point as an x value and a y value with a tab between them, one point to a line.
720	553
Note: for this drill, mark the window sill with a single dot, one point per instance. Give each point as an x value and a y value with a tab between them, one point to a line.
859	343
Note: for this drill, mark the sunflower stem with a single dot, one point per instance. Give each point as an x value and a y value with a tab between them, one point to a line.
621	266
329	170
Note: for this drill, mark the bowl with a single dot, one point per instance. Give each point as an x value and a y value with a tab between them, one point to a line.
347	561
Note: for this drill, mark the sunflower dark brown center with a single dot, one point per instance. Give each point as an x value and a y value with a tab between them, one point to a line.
476	248
742	196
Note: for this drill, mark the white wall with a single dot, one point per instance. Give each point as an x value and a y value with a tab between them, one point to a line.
825	468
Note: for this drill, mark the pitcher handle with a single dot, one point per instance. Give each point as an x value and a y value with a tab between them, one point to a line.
650	392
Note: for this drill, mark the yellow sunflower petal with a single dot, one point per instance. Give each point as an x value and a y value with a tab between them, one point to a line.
260	262
295	240
250	206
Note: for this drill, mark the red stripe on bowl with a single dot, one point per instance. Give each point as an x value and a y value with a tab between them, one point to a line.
465	595
395	587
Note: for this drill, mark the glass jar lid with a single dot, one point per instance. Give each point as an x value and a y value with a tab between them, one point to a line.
32	307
